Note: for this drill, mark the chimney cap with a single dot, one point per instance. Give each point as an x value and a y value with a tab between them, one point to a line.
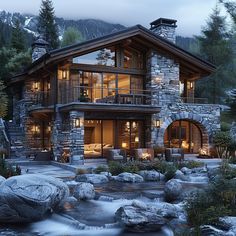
40	41
163	21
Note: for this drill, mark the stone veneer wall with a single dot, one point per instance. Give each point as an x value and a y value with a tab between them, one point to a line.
163	80
167	32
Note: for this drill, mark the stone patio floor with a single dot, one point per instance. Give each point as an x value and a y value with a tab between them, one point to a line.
63	171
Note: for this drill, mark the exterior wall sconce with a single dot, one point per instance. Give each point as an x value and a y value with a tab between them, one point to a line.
76	123
124	145
49	129
48	86
157	123
64	74
191	84
136	140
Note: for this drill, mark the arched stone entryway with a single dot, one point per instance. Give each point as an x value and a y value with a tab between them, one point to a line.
187	134
196	120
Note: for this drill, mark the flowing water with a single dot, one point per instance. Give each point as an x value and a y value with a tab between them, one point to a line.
95	217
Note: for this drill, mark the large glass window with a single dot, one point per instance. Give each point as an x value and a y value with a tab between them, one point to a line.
105	57
133	59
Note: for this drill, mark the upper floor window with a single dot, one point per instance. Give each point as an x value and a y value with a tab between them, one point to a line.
104	57
133	59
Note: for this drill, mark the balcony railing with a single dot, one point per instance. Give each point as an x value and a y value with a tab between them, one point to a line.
104	95
194	100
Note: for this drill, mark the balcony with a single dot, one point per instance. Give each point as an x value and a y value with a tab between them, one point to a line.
104	96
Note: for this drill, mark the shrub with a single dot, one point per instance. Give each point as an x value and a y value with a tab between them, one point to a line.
225	126
222	141
190	164
81	171
227	171
7	170
170	172
115	168
100	169
207	206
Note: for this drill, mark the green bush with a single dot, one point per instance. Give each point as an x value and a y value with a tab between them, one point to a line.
225	126
207	206
100	169
190	164
222	141
170	172
226	171
115	167
7	170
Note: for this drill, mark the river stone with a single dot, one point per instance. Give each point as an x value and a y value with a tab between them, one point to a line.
180	175
30	197
84	191
139	218
151	175
227	222
173	189
207	230
2	179
186	170
128	177
92	178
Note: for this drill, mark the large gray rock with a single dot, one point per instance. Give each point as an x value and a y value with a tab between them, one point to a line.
173	189
128	177
151	175
139	218
84	191
2	179
180	175
207	230
29	197
186	170
92	178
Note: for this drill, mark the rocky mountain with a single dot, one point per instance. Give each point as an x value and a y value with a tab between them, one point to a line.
89	28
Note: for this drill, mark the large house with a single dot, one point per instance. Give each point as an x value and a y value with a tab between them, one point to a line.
130	89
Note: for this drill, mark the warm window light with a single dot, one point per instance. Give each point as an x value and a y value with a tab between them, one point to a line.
76	123
49	129
124	145
36	86
49	86
35	129
136	139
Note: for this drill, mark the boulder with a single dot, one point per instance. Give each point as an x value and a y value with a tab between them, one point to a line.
151	175
139	218
180	175
30	197
207	230
173	189
227	222
2	179
186	170
128	177
168	210
68	203
84	191
92	178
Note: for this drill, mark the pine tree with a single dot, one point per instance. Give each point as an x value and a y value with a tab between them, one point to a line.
71	36
103	57
216	48
17	38
46	24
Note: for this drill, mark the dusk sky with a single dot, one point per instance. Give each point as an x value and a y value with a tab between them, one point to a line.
190	14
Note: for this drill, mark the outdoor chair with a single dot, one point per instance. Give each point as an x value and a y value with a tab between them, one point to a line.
174	154
117	155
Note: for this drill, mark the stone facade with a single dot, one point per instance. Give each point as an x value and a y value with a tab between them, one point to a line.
166	32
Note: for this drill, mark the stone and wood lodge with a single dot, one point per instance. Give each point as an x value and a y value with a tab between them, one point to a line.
130	89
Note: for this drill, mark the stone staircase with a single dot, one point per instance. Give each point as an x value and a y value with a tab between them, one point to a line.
17	140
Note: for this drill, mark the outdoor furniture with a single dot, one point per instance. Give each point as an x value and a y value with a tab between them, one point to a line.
143	154
174	154
117	155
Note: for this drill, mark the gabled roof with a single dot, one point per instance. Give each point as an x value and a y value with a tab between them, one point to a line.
132	32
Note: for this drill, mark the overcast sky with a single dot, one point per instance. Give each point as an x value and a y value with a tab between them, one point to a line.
190	14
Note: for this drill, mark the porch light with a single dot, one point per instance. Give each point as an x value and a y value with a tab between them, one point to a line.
49	129
124	145
191	84
49	86
136	139
64	74
157	123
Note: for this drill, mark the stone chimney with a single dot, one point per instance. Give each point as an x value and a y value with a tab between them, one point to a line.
165	28
39	48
